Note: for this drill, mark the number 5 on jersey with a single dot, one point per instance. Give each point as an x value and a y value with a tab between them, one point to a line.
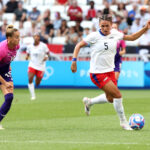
106	45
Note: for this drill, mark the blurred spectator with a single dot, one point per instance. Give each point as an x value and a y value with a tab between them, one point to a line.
74	12
146	2
91	12
57	21
11	6
86	32
107	9
144	16
121	10
1	9
5	23
78	28
63	30
136	24
123	26
131	15
43	35
32	30
140	2
144	40
2	33
111	2
34	15
46	14
72	37
21	30
49	28
61	2
20	13
96	21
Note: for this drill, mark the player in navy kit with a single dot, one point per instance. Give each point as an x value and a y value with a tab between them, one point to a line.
121	50
8	50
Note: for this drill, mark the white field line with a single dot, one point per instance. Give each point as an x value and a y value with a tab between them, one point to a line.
72	142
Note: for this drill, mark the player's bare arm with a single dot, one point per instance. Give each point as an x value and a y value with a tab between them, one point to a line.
75	55
122	52
46	56
27	56
136	35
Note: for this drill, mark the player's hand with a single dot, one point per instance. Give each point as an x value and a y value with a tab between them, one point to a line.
74	66
45	58
148	24
8	85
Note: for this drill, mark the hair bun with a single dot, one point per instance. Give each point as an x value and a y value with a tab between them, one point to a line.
10	27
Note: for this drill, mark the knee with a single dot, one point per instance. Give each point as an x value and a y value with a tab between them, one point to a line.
117	95
37	83
109	98
30	81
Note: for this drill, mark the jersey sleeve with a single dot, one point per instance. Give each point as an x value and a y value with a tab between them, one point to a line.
123	44
90	39
28	49
46	49
17	47
118	35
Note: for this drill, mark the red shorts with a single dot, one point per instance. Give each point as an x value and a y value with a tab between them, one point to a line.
38	73
100	79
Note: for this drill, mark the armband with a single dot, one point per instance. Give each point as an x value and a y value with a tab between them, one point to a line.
74	59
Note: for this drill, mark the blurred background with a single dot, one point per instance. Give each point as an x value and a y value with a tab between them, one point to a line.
63	23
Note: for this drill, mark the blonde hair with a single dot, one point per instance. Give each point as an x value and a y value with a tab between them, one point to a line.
10	30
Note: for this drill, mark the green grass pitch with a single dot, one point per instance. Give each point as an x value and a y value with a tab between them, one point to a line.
56	121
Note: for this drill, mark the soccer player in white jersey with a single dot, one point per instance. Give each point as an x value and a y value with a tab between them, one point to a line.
103	49
38	53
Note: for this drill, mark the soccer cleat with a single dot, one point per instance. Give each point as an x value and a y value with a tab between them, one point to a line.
33	98
125	125
86	102
1	127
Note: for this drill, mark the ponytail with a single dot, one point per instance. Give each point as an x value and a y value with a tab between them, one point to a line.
10	30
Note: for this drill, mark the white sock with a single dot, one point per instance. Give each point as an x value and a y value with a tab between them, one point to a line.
99	99
117	102
31	89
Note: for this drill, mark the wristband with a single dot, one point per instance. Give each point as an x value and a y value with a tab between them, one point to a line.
74	59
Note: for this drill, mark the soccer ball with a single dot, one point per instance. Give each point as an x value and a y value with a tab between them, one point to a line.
136	121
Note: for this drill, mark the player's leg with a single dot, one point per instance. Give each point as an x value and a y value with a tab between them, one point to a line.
38	81
117	75
31	74
113	92
39	76
8	96
99	81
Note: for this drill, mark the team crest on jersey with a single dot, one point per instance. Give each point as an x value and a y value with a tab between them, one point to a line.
111	37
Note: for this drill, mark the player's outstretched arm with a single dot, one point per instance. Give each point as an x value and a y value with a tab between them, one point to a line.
136	35
75	55
27	56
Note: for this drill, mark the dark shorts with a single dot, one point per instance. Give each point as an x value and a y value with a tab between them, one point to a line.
5	72
117	67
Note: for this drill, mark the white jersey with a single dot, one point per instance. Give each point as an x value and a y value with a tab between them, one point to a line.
37	55
103	50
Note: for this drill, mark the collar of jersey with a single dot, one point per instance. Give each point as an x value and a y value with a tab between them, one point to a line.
101	33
